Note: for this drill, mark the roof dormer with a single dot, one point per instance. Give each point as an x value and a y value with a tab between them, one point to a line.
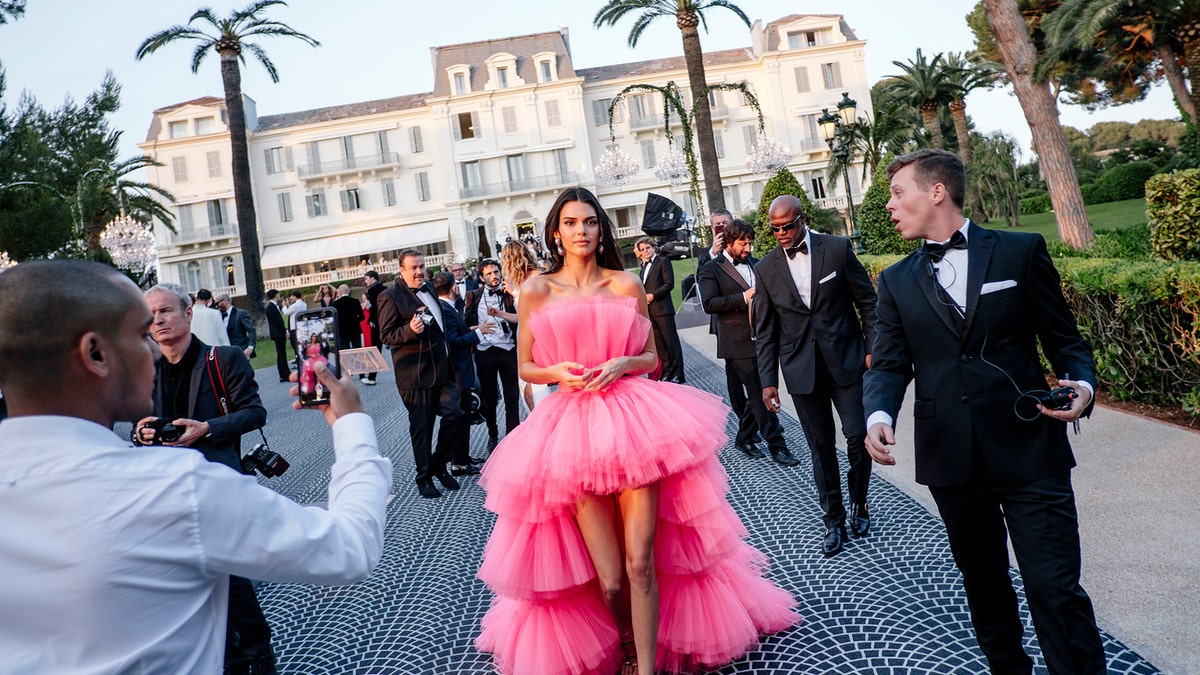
502	72
460	79
545	64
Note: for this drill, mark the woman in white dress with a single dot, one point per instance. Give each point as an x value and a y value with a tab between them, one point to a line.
516	265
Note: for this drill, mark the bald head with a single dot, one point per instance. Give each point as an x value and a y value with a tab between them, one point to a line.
785	206
45	307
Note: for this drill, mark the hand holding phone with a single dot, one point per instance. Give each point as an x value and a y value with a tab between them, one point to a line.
317	336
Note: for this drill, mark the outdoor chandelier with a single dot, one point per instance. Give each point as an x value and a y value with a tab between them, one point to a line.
129	243
6	262
672	168
768	156
615	167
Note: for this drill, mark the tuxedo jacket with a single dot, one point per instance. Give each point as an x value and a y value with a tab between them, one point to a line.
460	303
349	317
840	317
660	281
963	367
462	341
702	260
240	328
721	289
470	313
421	360
246	411
275	322
373	294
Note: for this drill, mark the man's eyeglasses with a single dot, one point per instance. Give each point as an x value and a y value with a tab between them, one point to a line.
790	226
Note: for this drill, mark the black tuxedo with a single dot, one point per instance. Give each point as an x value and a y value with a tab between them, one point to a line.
349	321
278	331
988	470
373	294
722	291
462	341
821	347
240	328
659	281
702	260
470	283
422	365
496	364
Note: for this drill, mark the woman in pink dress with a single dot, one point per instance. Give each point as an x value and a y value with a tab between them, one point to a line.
614	547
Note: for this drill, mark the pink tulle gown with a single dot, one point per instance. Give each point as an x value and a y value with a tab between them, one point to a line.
549	617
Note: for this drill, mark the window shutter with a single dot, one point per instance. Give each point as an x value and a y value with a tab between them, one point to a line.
270	161
599	114
287	157
185	217
457	128
475	130
311	204
802	86
837	74
719	143
750	137
384	151
345	195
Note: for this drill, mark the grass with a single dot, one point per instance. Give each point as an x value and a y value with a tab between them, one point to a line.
264	354
1110	216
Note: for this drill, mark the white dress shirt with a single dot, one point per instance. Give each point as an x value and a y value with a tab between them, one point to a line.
742	268
500	337
116	559
292	310
801	268
207	325
951	272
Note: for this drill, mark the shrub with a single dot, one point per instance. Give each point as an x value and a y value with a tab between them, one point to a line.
782	183
1035	204
1173	207
879	235
1127	181
1128	243
1092	194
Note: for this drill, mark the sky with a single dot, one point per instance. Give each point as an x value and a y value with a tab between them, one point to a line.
374	49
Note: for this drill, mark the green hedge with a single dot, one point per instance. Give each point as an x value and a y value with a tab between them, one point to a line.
1124	181
1035	204
1142	319
1173	207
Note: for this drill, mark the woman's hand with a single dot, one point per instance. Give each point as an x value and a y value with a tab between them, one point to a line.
569	375
606	373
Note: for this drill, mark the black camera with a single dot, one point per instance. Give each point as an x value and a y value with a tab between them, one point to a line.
1056	399
164	431
265	461
426	316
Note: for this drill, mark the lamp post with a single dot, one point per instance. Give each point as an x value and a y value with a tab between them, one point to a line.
838	131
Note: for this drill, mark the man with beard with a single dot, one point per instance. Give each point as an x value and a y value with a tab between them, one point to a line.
496	354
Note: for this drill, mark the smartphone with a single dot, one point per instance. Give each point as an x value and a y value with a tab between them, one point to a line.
317	338
718	229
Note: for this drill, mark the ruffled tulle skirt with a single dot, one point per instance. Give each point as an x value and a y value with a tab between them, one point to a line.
549	617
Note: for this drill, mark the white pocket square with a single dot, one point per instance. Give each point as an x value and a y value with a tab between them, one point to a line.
993	286
828	277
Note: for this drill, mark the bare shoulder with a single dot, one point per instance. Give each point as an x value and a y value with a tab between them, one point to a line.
624	283
535	291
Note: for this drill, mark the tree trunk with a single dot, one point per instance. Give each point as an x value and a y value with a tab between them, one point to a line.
243	194
694	58
929	118
1189	33
1041	112
1177	80
958	110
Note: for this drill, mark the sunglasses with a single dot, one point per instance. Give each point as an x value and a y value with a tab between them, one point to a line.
790	226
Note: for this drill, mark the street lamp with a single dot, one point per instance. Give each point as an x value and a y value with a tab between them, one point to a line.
838	131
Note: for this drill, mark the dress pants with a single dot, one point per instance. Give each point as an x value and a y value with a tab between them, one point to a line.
281	359
741	375
670	351
422	406
491	363
817	422
247	635
1041	520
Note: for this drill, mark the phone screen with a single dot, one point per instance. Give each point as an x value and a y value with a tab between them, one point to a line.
718	229
316	338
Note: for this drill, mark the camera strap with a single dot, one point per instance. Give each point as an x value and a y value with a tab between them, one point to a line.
211	364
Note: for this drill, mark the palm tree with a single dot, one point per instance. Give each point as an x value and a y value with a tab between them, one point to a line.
1041	112
962	77
689	15
228	37
11	9
994	170
924	84
114	193
1170	27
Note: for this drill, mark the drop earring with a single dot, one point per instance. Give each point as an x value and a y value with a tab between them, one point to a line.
558	245
601	249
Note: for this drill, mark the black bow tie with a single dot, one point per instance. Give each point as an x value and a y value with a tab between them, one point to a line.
938	251
494	293
224	315
802	247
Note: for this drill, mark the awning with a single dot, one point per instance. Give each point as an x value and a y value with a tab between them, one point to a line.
355	244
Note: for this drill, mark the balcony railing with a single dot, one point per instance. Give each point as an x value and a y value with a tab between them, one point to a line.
719	112
225	231
813	145
838	203
347	274
522	185
349	164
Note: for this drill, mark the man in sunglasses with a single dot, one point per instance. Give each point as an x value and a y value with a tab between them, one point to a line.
814	319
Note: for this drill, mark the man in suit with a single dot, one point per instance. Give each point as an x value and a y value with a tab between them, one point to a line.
349	317
411	323
462	341
206	321
238	325
496	354
279	334
727	289
186	389
814	319
964	316
659	279
465	283
296	304
718	221
374	288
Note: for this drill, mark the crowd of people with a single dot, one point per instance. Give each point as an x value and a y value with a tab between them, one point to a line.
612	524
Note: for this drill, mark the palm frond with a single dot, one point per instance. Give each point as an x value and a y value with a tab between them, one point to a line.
643	22
274	28
261	55
726	4
207	14
198	56
616	10
167	36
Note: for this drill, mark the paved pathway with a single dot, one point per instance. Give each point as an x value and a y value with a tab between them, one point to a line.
891	603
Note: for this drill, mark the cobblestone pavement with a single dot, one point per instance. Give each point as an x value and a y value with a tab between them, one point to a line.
891	603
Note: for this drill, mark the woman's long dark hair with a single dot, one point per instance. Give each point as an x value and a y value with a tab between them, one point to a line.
610	258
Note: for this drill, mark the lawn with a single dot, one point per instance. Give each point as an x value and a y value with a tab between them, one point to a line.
1110	216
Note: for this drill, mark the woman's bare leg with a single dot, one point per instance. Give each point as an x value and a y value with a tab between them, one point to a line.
527	394
596	516
639	513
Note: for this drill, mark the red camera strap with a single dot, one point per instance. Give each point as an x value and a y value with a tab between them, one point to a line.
223	395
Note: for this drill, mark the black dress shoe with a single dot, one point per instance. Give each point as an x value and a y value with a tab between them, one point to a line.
491	444
860	520
750	450
784	456
834	537
467	470
447	481
479	460
427	490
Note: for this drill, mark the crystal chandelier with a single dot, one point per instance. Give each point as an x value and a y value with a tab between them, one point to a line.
672	168
129	243
6	262
768	156
615	167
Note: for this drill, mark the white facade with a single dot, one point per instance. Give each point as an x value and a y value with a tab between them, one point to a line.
452	172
